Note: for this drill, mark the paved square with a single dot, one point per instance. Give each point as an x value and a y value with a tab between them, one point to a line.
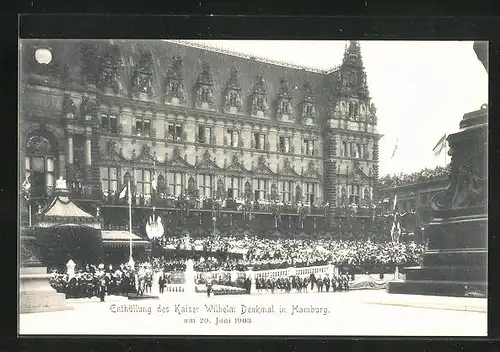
341	313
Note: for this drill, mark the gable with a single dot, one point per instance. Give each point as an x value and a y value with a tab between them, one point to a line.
178	161
113	155
207	164
312	173
145	157
236	166
263	169
288	171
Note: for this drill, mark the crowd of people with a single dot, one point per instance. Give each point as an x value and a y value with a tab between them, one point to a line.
210	254
422	175
303	284
99	281
254	253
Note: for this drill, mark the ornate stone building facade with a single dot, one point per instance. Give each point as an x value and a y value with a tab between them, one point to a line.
196	129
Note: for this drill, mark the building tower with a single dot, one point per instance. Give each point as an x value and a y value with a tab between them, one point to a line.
351	139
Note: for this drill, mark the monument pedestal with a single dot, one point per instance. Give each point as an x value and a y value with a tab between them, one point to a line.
36	293
455	262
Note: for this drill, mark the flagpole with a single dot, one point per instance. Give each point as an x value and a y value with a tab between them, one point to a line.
445	153
130	221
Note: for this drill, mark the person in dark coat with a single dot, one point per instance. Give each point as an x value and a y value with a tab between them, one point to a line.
209	288
161	283
312	279
326	282
346	282
319	283
102	288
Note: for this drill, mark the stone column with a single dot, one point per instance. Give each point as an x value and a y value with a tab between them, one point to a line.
70	149
88	158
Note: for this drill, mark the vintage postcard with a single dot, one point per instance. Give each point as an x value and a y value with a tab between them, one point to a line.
253	187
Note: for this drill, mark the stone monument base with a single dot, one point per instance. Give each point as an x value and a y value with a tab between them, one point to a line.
456	262
36	294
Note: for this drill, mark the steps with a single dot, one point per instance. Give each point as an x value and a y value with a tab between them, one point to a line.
448	273
439	288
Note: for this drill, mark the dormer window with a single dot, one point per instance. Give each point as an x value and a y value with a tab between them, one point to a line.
205	95
308	109
175	88
285	107
233	99
259	103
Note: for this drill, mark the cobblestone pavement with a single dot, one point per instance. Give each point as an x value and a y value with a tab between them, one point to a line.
340	313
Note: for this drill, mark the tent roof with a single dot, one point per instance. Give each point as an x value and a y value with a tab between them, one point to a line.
63	207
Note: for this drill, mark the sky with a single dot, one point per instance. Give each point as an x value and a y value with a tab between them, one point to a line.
421	89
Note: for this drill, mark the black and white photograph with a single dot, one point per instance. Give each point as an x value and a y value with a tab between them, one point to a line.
253	187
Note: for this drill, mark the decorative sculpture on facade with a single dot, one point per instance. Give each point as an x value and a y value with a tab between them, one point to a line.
69	107
174	87
308	102
109	69
142	76
87	108
204	91
259	96
232	96
284	100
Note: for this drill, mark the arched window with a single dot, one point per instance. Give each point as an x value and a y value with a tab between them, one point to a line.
161	184
343	194
298	193
40	165
248	190
191	187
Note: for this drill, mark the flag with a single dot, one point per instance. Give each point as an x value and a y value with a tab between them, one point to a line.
126	192
441	144
395	148
26	187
